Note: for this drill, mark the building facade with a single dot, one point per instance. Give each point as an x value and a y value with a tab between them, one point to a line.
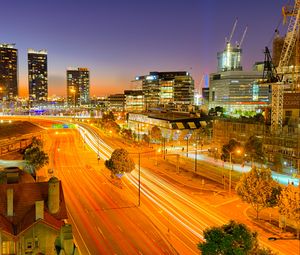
116	102
8	72
238	91
162	88
32	222
230	59
134	100
78	86
37	77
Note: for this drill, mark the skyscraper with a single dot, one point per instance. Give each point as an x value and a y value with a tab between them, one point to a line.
37	76
8	71
78	86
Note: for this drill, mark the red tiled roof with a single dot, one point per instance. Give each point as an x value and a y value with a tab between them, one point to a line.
5	225
24	196
29	220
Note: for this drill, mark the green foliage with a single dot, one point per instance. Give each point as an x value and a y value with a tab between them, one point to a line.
258	189
127	134
254	150
108	117
156	133
232	238
278	160
232	147
288	204
110	125
35	157
120	162
146	138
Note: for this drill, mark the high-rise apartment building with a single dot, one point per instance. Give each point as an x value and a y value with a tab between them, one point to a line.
162	88
8	71
78	86
37	76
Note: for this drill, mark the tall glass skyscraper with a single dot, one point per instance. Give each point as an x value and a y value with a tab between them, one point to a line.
8	72
37	77
78	86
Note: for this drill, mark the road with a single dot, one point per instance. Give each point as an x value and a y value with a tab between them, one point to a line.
104	220
105	217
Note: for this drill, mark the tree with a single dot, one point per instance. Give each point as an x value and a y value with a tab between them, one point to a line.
233	145
35	158
258	189
146	138
156	133
232	238
111	126
120	162
108	117
254	149
289	204
127	134
277	164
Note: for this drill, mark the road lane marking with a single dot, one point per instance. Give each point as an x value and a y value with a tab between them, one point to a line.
100	231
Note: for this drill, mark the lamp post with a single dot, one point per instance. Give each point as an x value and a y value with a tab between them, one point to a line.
98	153
139	174
231	168
1	92
187	146
196	148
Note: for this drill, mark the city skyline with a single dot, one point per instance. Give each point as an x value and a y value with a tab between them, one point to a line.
118	40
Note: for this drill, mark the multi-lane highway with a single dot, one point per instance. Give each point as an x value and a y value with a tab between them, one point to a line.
105	217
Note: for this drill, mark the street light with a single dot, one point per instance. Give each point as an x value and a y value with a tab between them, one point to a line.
196	148
238	151
1	92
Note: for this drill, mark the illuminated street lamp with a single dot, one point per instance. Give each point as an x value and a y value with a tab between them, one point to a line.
1	92
238	151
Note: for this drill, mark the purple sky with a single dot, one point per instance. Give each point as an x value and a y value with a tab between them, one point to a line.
119	39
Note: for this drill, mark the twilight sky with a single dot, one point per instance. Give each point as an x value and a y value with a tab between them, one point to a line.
119	39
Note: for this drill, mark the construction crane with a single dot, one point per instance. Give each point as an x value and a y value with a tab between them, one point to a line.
232	32
239	44
288	47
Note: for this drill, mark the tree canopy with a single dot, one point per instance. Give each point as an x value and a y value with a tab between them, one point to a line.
230	239
258	189
289	204
108	116
120	162
127	134
111	126
232	146
35	157
156	133
254	149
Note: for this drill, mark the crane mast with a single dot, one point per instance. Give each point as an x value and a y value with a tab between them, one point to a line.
288	47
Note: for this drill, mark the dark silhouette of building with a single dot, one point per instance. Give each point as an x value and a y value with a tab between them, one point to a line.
37	76
78	86
8	72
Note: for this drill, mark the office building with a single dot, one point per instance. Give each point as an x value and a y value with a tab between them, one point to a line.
134	100
238	91
37	77
78	86
234	89
162	88
8	72
116	102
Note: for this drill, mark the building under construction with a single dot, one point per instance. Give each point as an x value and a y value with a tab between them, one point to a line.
233	88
